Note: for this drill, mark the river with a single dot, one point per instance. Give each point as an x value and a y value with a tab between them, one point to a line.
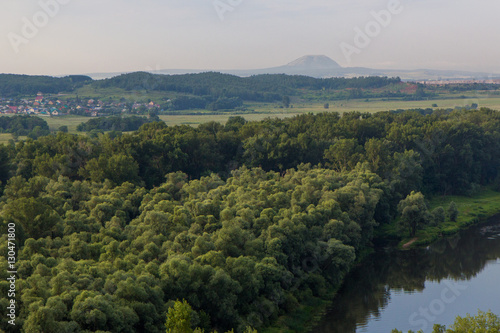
412	290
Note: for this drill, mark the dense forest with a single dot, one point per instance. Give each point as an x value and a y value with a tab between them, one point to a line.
262	88
239	223
15	85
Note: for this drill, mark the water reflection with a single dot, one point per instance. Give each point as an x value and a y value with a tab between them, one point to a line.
369	289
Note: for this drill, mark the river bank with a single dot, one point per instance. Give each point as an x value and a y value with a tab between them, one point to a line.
472	210
417	288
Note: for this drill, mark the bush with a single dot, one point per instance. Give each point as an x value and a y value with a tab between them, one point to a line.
438	215
452	211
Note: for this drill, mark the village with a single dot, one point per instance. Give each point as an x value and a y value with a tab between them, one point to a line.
52	106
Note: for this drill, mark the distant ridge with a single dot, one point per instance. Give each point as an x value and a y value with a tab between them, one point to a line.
321	66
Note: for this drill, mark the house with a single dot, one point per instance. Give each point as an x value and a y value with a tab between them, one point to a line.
39	97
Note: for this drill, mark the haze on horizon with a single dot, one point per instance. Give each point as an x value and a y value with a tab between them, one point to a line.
115	36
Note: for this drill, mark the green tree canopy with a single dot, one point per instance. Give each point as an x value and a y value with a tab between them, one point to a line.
414	213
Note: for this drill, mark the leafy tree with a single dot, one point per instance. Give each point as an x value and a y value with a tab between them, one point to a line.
438	215
234	123
483	322
286	101
36	218
377	154
414	213
453	211
343	154
179	318
5	164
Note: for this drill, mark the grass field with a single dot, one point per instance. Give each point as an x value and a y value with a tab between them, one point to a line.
264	110
5	137
376	105
472	210
193	120
71	121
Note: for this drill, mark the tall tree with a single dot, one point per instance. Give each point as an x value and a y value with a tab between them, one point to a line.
414	212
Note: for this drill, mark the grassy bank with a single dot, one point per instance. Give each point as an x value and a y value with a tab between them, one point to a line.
304	317
472	210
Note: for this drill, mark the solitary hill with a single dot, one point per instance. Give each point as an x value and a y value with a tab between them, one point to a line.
314	62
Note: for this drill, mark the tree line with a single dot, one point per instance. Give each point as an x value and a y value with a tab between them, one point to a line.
32	127
115	123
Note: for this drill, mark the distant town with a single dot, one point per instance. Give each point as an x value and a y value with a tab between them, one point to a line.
52	106
448	82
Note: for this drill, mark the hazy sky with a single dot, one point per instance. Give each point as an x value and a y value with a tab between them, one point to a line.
87	36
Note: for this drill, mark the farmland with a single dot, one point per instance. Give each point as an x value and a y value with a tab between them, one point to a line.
260	111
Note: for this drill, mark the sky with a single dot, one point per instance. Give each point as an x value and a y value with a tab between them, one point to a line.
55	37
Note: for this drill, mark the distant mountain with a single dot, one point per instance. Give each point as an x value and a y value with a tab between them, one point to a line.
313	62
318	66
321	66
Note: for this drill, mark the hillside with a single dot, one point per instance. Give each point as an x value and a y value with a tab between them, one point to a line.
13	85
254	88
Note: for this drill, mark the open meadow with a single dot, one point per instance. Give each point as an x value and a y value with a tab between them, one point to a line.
71	121
265	110
5	137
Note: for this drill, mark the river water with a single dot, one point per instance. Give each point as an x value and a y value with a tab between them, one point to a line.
412	290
